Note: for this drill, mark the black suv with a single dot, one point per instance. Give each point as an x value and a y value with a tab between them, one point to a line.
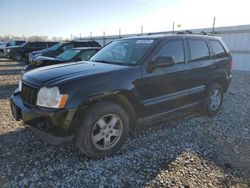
18	52
71	55
10	43
95	103
59	48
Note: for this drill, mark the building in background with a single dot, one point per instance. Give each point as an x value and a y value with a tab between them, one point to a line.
237	39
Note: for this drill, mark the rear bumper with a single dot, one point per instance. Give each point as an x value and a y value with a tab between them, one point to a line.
52	125
228	82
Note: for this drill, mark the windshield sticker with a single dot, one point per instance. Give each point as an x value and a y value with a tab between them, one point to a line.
144	41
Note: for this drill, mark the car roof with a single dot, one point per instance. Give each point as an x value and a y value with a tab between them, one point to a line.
172	35
87	48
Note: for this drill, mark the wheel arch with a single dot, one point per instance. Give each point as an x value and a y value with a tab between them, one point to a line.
222	82
123	98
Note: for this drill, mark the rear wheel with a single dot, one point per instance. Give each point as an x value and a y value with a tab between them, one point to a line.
103	130
214	100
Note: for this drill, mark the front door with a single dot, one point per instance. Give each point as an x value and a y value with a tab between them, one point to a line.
166	88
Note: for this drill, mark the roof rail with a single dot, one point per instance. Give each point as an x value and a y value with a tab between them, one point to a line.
198	33
185	32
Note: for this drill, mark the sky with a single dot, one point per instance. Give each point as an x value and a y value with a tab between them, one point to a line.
63	18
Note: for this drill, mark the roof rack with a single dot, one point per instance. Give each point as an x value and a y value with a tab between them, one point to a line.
185	32
198	33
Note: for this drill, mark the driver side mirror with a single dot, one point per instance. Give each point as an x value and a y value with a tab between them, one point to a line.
162	61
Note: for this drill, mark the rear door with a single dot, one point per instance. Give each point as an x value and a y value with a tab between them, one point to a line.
220	56
201	65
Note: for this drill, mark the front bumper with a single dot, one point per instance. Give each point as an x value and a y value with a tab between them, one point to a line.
52	125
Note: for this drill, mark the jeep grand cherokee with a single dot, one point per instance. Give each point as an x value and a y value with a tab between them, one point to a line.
94	104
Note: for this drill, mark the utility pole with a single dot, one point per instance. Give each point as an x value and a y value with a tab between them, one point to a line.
80	36
141	29
213	31
91	35
104	42
120	33
173	27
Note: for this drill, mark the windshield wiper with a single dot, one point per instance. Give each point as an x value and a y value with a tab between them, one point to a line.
112	62
102	61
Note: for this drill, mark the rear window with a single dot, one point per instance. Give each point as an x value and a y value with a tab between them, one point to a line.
198	50
219	51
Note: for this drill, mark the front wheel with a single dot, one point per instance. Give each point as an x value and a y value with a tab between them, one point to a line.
18	57
103	130
214	100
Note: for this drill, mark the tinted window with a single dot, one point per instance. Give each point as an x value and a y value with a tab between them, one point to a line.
68	54
198	50
174	49
68	46
19	42
219	51
86	55
55	46
128	52
86	44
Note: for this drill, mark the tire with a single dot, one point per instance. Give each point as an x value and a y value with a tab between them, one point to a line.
92	140
214	100
18	57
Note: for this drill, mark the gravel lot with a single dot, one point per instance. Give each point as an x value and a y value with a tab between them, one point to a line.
184	150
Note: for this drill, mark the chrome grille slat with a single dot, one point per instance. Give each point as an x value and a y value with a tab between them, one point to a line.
29	94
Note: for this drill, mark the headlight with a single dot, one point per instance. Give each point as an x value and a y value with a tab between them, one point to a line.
8	50
51	98
20	85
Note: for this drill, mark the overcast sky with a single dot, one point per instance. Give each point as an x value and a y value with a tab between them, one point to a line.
66	17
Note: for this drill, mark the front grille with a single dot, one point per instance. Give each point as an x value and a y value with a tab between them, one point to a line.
29	94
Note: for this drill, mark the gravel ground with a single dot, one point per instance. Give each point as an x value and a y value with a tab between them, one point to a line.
184	150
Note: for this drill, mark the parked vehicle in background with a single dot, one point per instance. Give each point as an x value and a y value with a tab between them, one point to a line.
71	55
59	48
18	52
6	44
95	103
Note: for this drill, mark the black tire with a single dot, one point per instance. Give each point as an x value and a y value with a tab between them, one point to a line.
85	138
18	57
208	108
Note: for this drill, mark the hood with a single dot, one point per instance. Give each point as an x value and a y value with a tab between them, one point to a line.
39	51
62	73
44	59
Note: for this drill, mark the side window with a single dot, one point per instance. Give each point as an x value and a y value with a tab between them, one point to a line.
175	49
19	42
67	47
219	51
198	50
86	55
30	44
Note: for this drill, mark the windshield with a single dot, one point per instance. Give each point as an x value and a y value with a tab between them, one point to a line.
55	46
68	55
127	52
